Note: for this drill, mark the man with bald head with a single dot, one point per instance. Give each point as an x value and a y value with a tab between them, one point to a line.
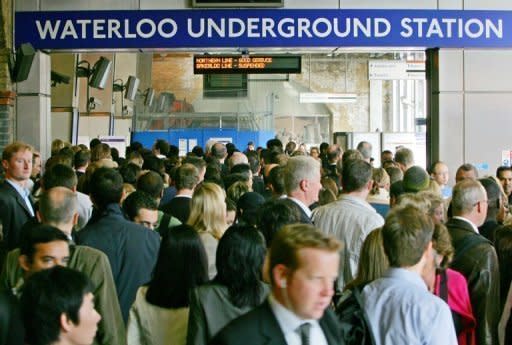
58	208
475	257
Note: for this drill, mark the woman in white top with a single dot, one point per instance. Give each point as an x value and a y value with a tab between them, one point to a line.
159	314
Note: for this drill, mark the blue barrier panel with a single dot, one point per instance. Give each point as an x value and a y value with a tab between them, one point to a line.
148	138
199	136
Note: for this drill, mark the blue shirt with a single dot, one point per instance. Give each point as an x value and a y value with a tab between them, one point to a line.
25	194
401	310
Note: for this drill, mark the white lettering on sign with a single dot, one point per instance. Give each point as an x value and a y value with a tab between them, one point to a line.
262	27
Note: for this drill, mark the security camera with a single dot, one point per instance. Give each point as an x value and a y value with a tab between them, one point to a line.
59	78
94	102
127	110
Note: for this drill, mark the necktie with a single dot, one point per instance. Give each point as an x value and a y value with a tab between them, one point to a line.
304	333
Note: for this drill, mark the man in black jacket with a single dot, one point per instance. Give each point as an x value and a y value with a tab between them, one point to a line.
15	201
303	266
131	248
475	257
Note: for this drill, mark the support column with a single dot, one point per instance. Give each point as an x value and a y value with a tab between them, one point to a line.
33	120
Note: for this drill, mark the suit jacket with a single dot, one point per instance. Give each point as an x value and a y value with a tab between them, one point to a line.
131	250
94	264
211	310
178	207
479	265
260	327
304	218
14	214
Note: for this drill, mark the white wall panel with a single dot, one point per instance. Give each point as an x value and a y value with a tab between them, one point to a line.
488	128
164	4
487	70
450	4
451	134
66	5
451	72
488	5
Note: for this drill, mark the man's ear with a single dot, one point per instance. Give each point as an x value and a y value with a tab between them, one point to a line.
369	185
24	263
279	275
65	323
5	164
75	218
304	184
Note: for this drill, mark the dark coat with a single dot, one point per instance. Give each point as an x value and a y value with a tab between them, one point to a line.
178	207
131	249
14	213
260	327
479	264
303	216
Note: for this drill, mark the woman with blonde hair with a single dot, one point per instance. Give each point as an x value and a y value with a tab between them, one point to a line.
379	194
208	218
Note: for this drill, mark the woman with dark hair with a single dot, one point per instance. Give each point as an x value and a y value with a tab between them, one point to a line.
159	314
236	289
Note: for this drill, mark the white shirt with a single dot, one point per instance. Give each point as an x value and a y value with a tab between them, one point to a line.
304	208
289	324
475	229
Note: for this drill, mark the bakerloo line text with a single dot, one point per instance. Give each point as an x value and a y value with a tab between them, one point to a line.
270	27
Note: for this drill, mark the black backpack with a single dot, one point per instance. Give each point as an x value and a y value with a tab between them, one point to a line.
355	327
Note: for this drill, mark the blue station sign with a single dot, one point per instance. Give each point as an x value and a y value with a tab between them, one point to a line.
168	29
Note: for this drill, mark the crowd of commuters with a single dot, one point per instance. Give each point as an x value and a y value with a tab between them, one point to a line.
264	246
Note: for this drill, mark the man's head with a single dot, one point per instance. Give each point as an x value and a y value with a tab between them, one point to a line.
141	209
219	151
60	175
290	148
82	159
187	177
42	247
356	176
415	180
237	158
17	161
493	197
58	308
404	158
105	187
504	174
466	171
152	184
469	200
275	145
439	173
386	156
303	268
302	179
407	236
366	150
58	207
200	165
36	164
161	147
334	153
100	151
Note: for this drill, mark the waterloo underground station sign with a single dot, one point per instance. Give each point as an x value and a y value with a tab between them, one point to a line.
168	29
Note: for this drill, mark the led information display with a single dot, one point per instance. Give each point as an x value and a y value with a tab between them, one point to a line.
250	64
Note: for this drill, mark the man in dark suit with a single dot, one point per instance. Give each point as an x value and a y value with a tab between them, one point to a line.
131	248
475	257
15	202
296	310
187	178
302	184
